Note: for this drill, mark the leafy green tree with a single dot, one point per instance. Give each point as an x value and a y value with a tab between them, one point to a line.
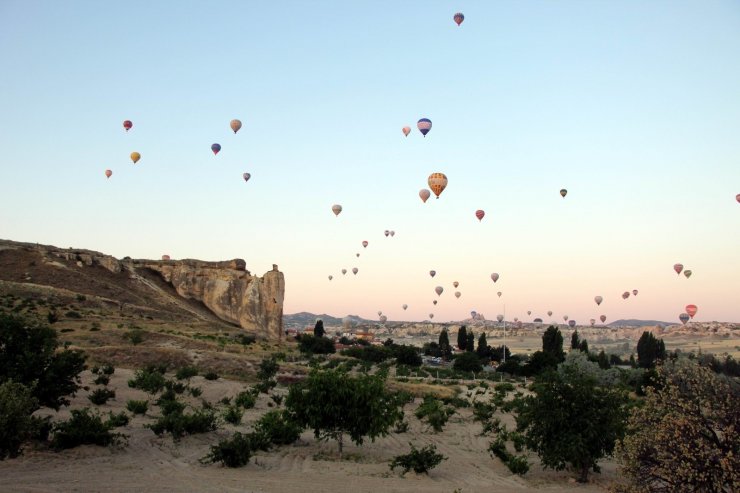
268	369
583	347
462	338
470	343
603	360
407	355
444	344
649	350
685	436
30	355
571	421
575	341
420	460
497	353
315	345
467	361
334	404
16	424
318	330
483	350
552	343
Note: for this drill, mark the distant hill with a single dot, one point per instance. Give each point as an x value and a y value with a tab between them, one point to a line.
306	319
638	323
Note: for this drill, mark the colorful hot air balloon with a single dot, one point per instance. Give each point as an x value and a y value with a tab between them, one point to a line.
344	271
684	317
691	310
424	194
108	173
494	277
355	270
424	125
572	323
386	233
437	182
406	131
165	257
331	277
479	214
687	273
438	290
598	300
500	318
127	124
135	156
215	148
458	18
499	294
404	306
549	313
336	209
235	125
432	273
625	295
634	292
563	192
455	284
364	244
602	318
678	268
458	294
434	302
246	176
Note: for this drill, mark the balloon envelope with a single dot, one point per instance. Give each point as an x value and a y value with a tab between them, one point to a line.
108	173
383	319
364	244
455	284
393	233
684	317
235	125
565	317
499	294
406	131
438	290
355	270
494	276
480	214
424	194
331	277
572	323
387	233
344	271
458	294
336	209
135	156
602	318
687	273
246	176
563	192
691	310
625	295
634	292
529	312
431	316
165	257
215	148
592	322
127	124
598	300
434	302
437	182
678	268
424	125
549	314
459	18
500	318
404	306
432	273
737	197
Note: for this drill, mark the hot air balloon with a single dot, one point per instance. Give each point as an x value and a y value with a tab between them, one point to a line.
235	125
438	290
516	319
625	295
424	125
331	277
737	197
380	312
455	284
108	173
563	192
336	209
387	233
602	318
246	176
393	233
344	271
684	317
406	131
383	319
432	273
355	270
565	317
473	314
364	244
431	316
592	322
499	294
687	273
500	318
437	182
494	276
549	314
135	156
598	300
480	214
165	257
678	268
215	148
634	292
357	254
404	306
691	310
434	302
458	18
424	194
458	294
127	124
529	312
572	323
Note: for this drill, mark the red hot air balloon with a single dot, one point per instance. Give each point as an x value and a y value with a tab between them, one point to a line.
437	182
678	268
458	18
108	173
684	317
406	131
602	318
364	244
127	124
480	214
691	310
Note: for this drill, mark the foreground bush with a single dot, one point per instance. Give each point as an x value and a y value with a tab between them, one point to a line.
186	373
137	407
277	428
234	452
16	425
434	412
101	396
421	461
150	379
246	399
179	424
83	428
233	415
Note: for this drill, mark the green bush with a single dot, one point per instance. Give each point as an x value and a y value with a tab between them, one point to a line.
150	379
503	387
134	336
315	345
233	415
211	376
196	391
277	399
246	399
83	428
246	339
268	369
482	411
234	452
101	396
518	464
373	354
468	362
137	407
421	460
401	427
168	404
407	355
116	420
277	427
435	414
16	424
176	387
179	424
225	401
73	314
186	373
101	380
265	386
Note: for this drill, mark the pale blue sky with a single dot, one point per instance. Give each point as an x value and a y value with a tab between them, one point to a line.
632	106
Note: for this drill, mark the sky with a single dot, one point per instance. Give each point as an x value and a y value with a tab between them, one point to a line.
632	106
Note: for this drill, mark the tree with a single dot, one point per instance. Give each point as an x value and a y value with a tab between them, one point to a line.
483	351
315	345
462	338
29	355
444	344
685	436
603	360
407	355
583	347
333	404
552	343
318	330
649	350
572	421
497	353
467	361
575	340
16	424
470	343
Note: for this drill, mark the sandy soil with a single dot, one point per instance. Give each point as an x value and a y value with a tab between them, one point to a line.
150	463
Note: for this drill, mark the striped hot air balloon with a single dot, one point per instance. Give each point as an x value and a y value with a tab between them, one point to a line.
684	317
424	125
480	214
459	18
215	148
437	182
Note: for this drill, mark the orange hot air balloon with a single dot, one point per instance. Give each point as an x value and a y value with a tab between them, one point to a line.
678	268
135	156
406	131
437	182
127	124
480	214
364	244
235	125
424	194
691	310
108	173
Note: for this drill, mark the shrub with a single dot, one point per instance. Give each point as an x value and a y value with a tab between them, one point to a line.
168	404
434	412
176	387
196	391
186	373
268	369
246	399
134	336
373	354
518	464
421	461
211	376
402	426
482	411
116	420
73	314
503	387
101	380
150	379
16	424
234	452
137	407
277	399
265	386
315	345
179	424
101	396
468	361
407	355
233	415
246	339
83	428
278	428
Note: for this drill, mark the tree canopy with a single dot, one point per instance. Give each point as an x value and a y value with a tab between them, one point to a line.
552	343
649	350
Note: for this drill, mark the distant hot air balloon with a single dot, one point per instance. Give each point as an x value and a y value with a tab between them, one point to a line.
165	257
625	295
516	319
687	273
563	192
437	182
458	18
473	314
127	124
737	197
434	302
380	312
364	244
691	310
432	273
684	317
383	319
602	318
458	294
529	312
406	131
598	300
565	317
331	277
393	233
500	318
480	214
592	322
336	209
235	125
246	176
215	148
355	270
499	294
455	284
344	271
357	254
572	323
387	233
424	194
404	306
135	156
678	268
108	173
634	292
494	276
549	313
438	290
424	125
431	316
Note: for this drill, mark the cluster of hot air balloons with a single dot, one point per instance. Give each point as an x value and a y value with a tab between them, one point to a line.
679	267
